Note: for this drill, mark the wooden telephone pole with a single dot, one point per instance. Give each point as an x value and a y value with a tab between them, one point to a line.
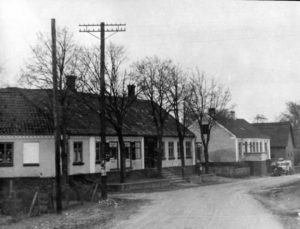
56	118
102	28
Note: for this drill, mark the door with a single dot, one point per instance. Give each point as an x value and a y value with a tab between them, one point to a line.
128	161
198	151
150	152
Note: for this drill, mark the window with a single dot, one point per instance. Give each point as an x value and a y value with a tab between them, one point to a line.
98	152
246	147
266	147
260	147
178	150
171	150
113	150
240	150
163	151
136	149
31	151
251	147
127	150
256	147
188	149
6	154
78	160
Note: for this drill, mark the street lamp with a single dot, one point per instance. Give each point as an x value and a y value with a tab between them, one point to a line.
205	132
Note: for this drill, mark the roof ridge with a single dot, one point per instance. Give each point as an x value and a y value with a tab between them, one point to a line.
271	123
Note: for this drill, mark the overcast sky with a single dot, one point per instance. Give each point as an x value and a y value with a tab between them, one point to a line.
252	47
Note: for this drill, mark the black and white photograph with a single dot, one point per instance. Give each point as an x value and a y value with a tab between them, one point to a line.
161	114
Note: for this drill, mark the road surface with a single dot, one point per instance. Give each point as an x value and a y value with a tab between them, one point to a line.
216	206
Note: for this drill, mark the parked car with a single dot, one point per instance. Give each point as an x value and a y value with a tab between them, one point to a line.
282	167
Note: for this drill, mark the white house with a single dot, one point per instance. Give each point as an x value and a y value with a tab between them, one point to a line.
235	140
27	142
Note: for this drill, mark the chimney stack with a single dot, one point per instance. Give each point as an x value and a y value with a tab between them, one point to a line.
70	82
131	91
232	115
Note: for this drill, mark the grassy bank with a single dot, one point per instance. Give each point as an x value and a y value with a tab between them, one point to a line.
283	201
85	216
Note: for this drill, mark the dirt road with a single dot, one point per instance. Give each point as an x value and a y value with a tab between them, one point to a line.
217	206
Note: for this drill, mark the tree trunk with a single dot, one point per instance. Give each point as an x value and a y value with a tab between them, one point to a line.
181	139
122	158
64	157
206	158
160	153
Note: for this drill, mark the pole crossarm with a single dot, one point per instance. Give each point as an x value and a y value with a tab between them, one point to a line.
112	24
89	28
99	30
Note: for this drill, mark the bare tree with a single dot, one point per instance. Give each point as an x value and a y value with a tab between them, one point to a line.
207	99
259	118
120	95
37	73
177	96
152	76
118	101
292	114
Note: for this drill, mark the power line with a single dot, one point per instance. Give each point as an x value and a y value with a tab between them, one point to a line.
102	28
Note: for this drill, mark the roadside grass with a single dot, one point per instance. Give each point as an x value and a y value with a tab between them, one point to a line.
86	215
283	201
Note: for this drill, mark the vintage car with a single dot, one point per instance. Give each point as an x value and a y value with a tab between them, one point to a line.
282	167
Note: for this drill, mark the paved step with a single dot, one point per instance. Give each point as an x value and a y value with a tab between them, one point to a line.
173	178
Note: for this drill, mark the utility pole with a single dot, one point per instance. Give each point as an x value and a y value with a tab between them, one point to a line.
56	118
102	28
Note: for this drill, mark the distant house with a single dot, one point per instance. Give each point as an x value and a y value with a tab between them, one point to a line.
27	142
235	140
282	139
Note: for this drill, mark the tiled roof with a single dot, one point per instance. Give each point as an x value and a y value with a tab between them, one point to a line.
278	131
27	112
19	116
242	129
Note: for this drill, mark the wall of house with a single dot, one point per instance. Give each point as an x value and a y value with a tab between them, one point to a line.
222	145
290	149
260	152
287	152
278	152
296	156
258	168
171	162
46	157
89	155
85	166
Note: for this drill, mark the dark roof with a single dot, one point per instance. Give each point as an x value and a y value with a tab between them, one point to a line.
278	131
28	112
241	128
19	116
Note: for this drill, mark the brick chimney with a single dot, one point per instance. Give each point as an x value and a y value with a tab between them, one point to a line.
70	82
232	115
131	91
